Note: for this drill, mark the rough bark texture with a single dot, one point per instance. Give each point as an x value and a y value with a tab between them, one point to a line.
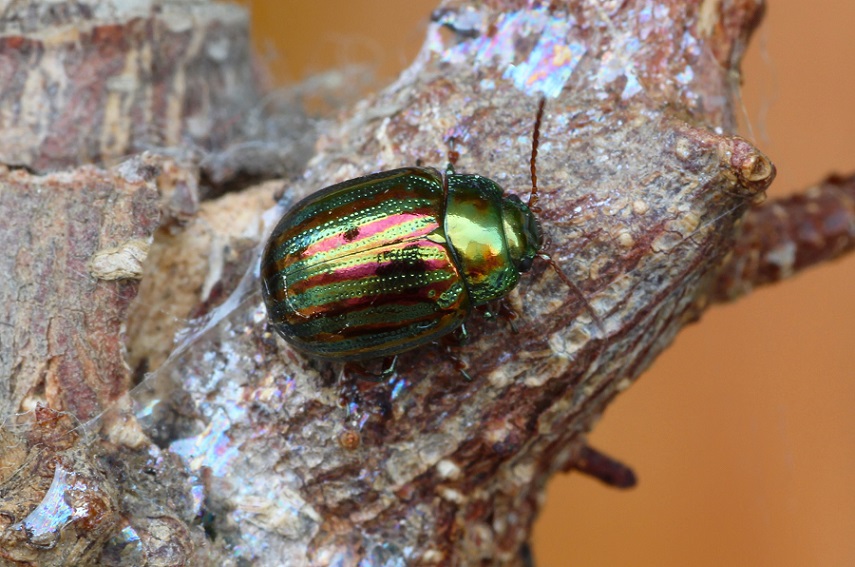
49	479
153	74
71	240
88	81
788	235
643	188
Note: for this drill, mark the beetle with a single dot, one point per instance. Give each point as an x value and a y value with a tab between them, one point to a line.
379	265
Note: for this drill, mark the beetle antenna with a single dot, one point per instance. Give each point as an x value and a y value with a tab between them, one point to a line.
535	141
532	205
578	292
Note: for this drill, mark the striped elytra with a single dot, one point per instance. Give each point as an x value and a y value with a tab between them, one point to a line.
379	265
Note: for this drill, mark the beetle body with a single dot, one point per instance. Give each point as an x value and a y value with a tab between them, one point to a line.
382	264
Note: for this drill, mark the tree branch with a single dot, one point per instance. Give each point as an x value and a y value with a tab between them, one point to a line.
786	236
639	202
643	188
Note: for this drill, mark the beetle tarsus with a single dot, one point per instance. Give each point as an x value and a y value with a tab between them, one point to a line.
460	335
459	365
388	371
506	312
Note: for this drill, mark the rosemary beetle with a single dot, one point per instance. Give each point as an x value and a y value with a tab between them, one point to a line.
378	265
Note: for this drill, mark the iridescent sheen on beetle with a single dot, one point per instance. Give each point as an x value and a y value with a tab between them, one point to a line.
379	265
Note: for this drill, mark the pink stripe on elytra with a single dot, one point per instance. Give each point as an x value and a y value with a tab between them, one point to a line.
371	229
367	269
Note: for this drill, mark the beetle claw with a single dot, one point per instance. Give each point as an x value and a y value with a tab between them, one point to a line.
388	368
459	364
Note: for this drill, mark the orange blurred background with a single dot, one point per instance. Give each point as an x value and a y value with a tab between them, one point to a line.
743	433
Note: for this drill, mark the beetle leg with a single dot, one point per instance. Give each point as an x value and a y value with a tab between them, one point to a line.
507	312
466	375
500	309
458	363
354	368
361	399
366	375
460	366
388	368
460	335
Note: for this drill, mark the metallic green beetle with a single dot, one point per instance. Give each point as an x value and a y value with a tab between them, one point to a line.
379	265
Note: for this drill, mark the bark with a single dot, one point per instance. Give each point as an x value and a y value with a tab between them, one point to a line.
118	78
786	236
73	241
50	478
234	448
